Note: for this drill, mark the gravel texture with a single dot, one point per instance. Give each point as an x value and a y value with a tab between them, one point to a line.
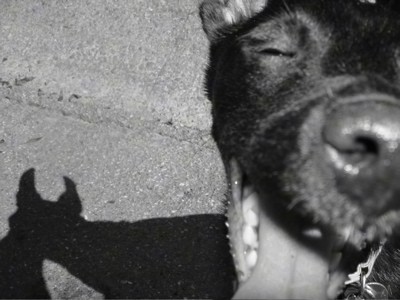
104	100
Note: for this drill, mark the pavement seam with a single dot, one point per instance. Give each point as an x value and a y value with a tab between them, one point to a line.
101	116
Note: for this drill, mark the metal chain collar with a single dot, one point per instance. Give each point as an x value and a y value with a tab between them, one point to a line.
357	287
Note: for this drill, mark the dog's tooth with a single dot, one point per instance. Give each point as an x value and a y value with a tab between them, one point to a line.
247	190
236	180
227	224
250	236
250	202
241	275
251	258
251	218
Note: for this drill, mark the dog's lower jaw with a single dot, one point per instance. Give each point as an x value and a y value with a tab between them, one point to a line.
285	268
291	260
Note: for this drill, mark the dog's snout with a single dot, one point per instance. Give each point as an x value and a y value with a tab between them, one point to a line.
362	145
363	134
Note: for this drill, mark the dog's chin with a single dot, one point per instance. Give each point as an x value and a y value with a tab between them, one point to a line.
277	257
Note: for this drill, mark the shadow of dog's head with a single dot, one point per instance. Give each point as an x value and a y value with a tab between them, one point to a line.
306	115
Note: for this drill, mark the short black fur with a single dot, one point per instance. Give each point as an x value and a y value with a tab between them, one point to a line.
270	108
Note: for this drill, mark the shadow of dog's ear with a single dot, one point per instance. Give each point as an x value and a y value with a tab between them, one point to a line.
70	198
219	15
27	190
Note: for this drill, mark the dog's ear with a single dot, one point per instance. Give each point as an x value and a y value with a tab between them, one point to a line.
219	15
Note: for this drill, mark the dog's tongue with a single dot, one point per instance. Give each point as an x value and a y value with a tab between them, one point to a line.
287	268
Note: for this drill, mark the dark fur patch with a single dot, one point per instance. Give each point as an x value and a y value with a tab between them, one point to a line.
276	76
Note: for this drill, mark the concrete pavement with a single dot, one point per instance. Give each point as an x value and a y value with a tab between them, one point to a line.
108	93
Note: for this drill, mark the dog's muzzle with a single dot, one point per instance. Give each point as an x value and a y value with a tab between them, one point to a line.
292	258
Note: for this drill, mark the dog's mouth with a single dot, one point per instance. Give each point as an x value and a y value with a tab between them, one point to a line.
280	257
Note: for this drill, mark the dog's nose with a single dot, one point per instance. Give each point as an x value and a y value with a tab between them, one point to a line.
362	145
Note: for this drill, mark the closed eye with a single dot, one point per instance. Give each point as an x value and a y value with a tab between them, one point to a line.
277	52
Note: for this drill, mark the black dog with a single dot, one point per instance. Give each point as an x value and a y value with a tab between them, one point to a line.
306	115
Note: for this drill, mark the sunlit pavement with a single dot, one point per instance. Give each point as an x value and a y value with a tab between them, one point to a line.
108	94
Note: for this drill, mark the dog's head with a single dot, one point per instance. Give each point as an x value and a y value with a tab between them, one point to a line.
306	114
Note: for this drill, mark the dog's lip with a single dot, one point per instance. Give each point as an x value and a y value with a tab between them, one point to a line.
298	270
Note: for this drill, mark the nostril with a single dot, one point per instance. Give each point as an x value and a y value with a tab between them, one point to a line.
351	148
353	151
366	145
362	137
362	150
